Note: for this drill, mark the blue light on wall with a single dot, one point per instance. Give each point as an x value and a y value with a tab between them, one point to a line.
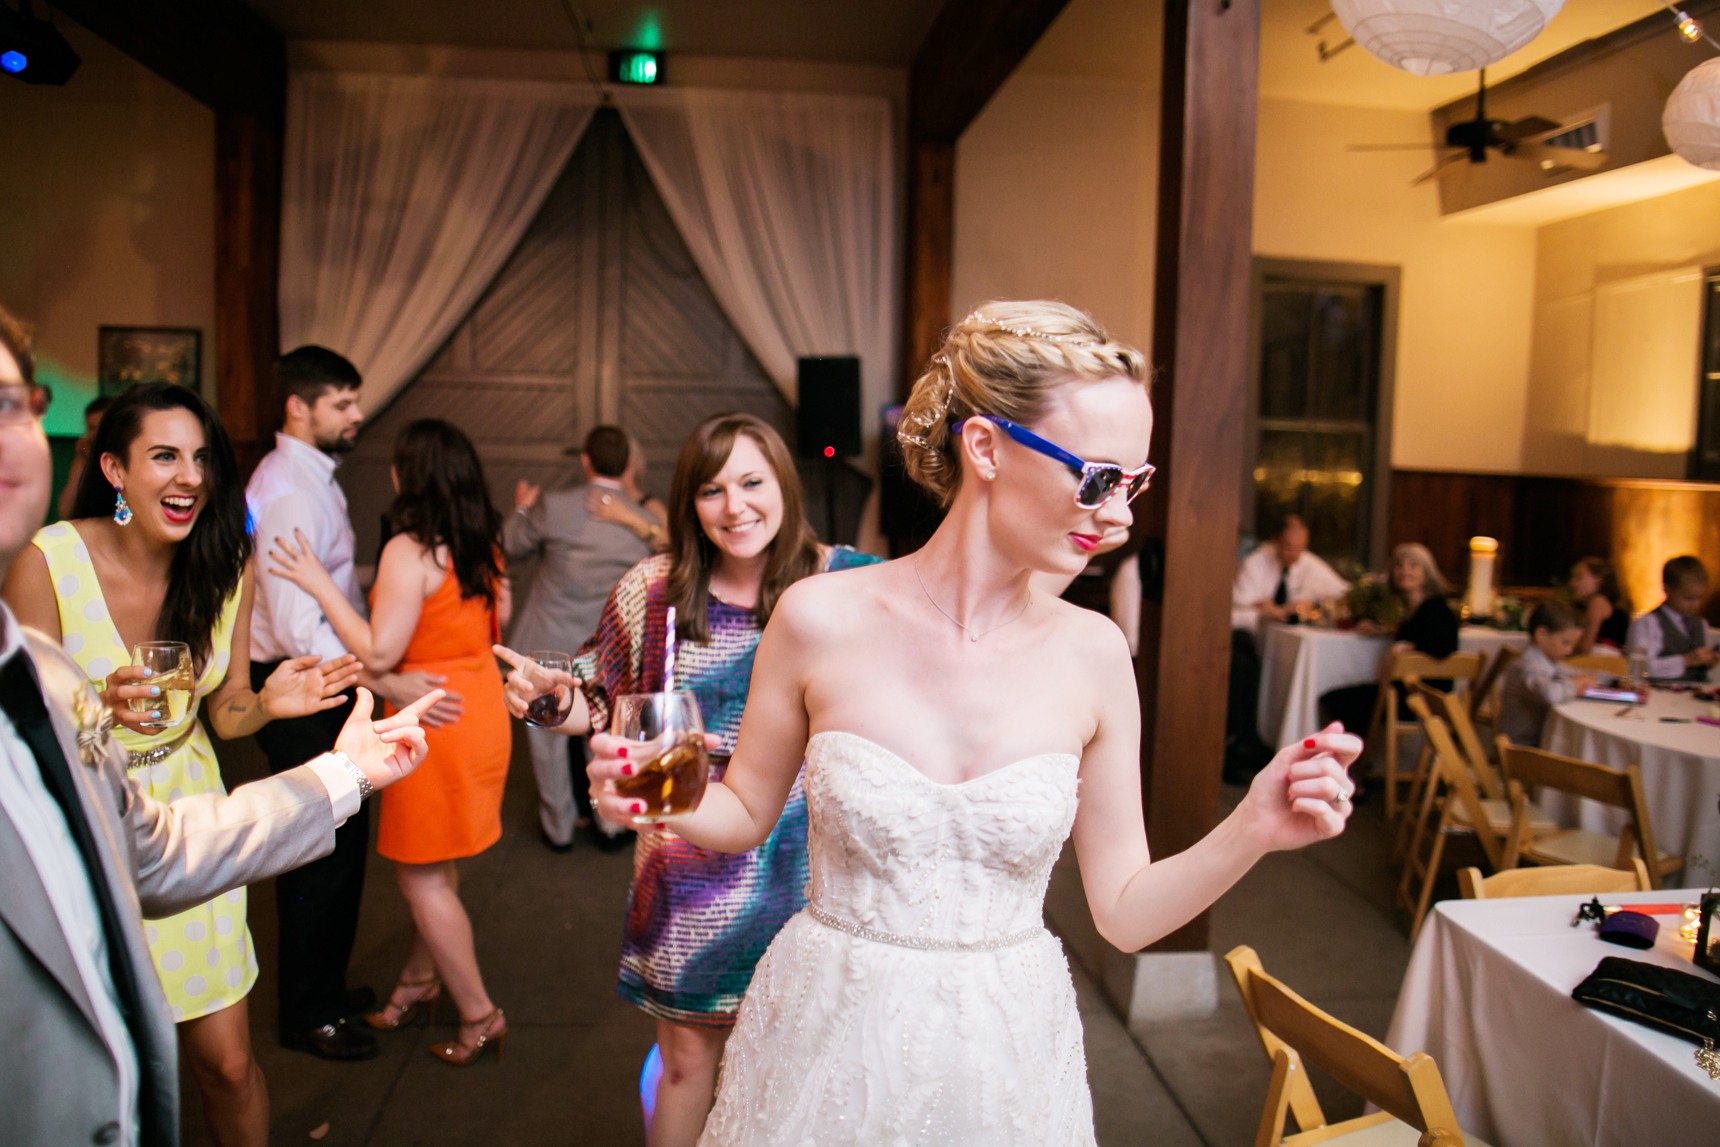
13	62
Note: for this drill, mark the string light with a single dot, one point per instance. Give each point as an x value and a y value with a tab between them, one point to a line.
1689	27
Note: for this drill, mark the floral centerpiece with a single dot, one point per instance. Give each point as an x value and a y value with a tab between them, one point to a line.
1372	599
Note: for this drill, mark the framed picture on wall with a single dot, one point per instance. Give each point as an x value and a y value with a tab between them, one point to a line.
126	356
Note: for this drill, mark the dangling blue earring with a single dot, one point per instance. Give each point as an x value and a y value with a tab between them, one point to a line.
121	511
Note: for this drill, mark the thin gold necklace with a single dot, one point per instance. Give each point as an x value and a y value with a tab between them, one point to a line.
972	636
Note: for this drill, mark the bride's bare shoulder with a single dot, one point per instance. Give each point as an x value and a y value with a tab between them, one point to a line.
1084	632
832	601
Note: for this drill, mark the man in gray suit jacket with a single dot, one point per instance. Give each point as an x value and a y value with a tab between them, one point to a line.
85	854
584	546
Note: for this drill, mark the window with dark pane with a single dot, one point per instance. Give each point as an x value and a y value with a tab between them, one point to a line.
1318	400
1705	458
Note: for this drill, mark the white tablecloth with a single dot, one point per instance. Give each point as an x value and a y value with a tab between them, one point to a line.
1300	662
1488	995
1680	766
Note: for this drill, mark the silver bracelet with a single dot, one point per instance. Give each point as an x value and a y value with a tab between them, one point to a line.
365	789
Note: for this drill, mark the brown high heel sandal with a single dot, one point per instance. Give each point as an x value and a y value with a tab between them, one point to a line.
493	1029
427	999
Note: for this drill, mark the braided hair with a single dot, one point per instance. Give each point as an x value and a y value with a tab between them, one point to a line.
1003	360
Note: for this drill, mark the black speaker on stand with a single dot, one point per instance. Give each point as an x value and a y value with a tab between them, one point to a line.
827	423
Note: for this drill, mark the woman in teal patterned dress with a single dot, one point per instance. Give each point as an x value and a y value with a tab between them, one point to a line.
698	921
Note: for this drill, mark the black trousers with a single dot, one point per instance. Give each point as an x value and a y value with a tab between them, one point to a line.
318	903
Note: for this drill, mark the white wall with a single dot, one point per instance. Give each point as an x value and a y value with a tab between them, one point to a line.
1613	385
1057	179
107	214
1466	305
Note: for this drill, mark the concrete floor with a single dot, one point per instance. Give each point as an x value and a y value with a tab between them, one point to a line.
547	933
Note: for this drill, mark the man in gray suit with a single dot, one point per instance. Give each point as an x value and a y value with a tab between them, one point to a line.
84	854
585	537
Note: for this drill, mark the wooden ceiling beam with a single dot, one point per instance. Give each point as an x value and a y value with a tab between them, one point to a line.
971	49
219	52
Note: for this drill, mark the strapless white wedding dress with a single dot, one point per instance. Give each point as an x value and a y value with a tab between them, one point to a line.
918	999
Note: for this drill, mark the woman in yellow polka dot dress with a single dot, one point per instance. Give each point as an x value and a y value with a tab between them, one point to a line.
158	550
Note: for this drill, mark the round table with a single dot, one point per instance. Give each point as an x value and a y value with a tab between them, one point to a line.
1679	761
1300	662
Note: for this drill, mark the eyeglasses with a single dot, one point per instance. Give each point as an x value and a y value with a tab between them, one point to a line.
1099	480
22	402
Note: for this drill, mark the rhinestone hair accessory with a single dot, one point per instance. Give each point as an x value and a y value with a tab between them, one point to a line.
1028	332
936	411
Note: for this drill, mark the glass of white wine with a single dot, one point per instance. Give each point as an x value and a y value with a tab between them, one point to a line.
169	663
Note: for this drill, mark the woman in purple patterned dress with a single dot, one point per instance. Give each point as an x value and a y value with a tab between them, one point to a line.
698	921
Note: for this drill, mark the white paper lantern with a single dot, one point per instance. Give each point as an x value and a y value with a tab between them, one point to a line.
1434	37
1691	120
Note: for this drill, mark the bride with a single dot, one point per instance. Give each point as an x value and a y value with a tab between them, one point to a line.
948	715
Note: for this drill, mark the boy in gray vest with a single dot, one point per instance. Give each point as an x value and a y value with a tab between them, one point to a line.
1673	634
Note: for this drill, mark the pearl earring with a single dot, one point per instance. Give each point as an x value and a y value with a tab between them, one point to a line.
989	475
121	511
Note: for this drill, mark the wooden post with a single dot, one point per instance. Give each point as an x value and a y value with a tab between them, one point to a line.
1200	339
247	262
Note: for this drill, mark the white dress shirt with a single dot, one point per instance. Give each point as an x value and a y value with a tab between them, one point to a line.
1646	632
1257	580
41	825
294	488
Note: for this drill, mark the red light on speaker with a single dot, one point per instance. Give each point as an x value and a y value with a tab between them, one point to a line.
830	451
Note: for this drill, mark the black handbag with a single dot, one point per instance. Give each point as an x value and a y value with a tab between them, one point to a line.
1664	999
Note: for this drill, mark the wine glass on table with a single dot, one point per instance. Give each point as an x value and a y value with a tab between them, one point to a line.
169	665
672	765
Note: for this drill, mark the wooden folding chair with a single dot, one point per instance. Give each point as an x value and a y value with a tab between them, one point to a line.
1387	718
1526	767
1407	1089
1565	880
1462	810
1484	698
1450	708
1615	663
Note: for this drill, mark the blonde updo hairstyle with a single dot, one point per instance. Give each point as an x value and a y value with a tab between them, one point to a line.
1003	360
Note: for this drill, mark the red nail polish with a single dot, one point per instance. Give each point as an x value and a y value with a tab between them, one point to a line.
626	770
638	807
621	752
1309	743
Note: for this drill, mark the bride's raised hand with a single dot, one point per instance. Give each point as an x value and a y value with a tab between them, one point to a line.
1304	795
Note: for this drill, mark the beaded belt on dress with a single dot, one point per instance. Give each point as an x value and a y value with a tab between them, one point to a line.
925	943
139	758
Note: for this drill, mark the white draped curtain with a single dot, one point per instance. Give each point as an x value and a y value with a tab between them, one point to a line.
404	196
786	201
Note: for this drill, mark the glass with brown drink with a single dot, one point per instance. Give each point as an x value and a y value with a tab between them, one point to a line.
554	702
670	764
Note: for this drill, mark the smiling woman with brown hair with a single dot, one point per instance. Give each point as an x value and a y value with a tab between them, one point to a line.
157	551
698	920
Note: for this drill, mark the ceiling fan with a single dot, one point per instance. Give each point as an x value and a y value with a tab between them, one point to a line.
1472	139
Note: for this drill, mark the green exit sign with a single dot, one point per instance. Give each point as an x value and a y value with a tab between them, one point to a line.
630	66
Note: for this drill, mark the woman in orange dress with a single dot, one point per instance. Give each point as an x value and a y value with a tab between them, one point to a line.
438	603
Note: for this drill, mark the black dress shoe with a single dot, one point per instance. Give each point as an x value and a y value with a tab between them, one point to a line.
336	1041
357	1002
561	849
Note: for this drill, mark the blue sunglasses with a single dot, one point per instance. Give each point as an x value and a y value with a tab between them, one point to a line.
1099	480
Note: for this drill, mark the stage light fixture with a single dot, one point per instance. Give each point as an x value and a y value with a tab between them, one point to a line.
33	50
635	66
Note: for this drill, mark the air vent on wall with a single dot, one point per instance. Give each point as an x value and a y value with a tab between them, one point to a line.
1583	137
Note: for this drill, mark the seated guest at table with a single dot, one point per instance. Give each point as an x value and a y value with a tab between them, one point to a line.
1428	627
1270	583
1605	612
1280	575
1673	633
1534	683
